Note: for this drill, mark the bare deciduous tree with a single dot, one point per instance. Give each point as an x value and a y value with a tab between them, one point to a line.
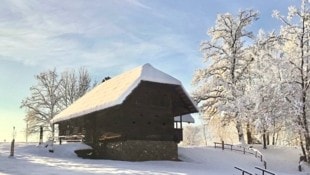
72	86
52	94
44	102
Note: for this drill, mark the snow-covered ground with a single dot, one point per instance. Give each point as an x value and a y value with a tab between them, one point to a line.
30	159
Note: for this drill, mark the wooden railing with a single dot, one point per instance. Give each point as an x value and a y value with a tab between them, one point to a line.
240	149
265	171
243	171
245	150
70	138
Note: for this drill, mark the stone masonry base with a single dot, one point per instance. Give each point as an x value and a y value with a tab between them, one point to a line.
140	150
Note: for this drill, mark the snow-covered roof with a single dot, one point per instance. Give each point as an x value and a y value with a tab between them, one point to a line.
114	91
185	118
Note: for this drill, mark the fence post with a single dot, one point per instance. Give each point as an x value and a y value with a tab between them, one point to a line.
222	145
231	147
243	150
255	153
12	148
299	166
214	144
41	135
265	164
13	143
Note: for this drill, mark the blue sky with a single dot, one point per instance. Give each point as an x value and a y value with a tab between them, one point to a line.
107	37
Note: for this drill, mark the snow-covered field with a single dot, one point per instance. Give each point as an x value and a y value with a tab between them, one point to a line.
30	159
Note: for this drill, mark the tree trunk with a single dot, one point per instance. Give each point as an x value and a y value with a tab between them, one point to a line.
302	146
305	126
240	132
267	138
204	134
274	133
52	139
274	138
249	134
264	140
307	140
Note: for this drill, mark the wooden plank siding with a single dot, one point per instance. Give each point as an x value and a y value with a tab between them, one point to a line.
147	114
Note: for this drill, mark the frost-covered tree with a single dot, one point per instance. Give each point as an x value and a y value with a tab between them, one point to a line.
296	33
267	112
192	136
263	101
51	94
219	85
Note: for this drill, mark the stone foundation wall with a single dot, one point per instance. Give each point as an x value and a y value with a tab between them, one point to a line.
140	150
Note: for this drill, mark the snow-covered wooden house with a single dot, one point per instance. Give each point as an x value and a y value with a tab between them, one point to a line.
131	116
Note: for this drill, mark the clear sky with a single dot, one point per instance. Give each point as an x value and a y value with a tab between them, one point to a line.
107	37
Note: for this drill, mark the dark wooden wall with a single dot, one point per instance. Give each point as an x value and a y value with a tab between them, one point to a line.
146	114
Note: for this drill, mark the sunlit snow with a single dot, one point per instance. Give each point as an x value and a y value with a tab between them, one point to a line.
36	160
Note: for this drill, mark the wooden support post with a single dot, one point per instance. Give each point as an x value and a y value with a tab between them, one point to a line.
181	121
223	145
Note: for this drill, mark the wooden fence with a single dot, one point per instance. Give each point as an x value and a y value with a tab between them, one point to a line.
244	150
263	171
240	149
243	172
